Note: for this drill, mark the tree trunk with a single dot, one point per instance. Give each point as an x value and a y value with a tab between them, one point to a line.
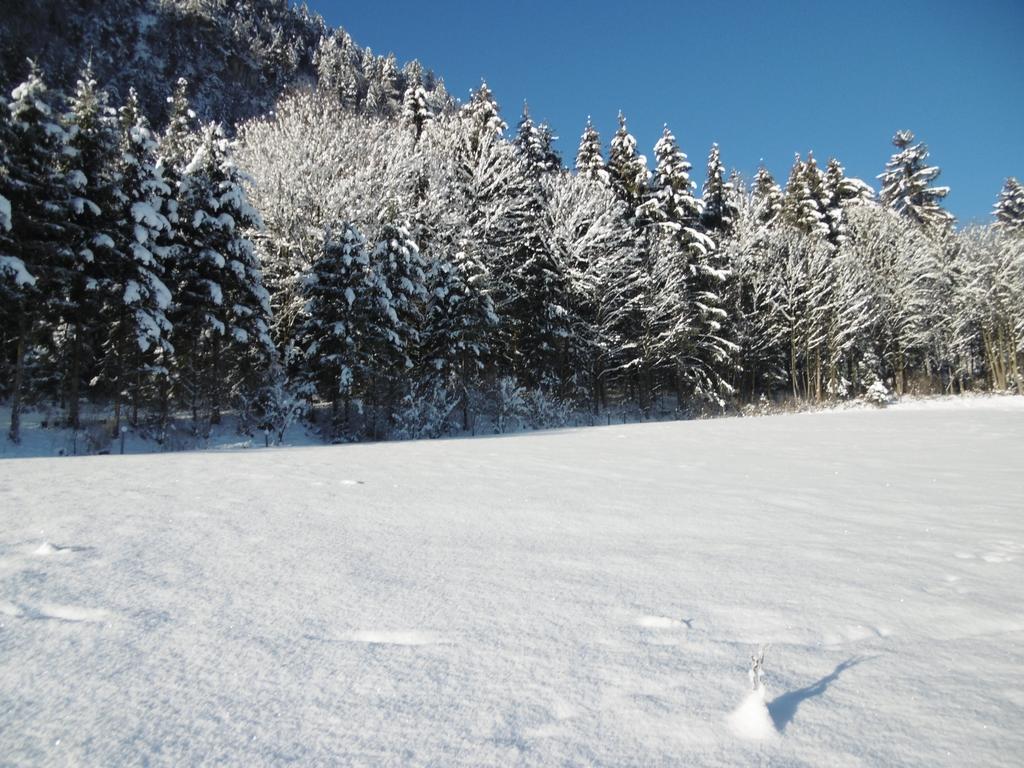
74	419
19	374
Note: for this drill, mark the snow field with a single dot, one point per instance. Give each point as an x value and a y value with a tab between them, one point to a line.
582	597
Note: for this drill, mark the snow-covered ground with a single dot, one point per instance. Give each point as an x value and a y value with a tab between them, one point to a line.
579	597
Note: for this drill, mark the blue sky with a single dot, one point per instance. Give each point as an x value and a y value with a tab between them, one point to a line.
763	79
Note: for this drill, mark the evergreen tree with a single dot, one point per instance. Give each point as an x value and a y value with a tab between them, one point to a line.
459	326
1009	208
840	192
135	345
221	310
36	258
416	111
906	184
178	143
93	145
397	264
334	334
483	113
534	145
804	206
716	196
767	197
589	160
671	195
627	169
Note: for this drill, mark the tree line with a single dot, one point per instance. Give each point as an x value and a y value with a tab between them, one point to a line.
432	271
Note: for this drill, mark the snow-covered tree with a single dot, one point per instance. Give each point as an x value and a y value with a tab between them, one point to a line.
906	184
416	111
627	169
990	299
805	205
534	143
719	205
898	265
841	191
34	257
589	160
767	197
460	319
483	114
134	299
92	158
221	309
671	199
335	333
1009	208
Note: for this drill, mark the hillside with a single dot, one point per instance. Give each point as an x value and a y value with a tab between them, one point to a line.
238	55
561	598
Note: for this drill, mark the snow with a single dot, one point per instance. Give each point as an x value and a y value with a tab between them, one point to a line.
14	269
5	214
574	597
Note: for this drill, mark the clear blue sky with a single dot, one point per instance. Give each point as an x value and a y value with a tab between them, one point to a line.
763	79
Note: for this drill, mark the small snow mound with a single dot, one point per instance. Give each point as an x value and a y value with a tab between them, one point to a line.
657	622
46	548
376	637
752	720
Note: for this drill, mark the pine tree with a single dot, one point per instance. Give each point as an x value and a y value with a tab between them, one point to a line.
178	143
35	258
717	197
416	112
589	160
135	344
804	206
333	336
1009	208
534	145
627	169
93	143
840	192
906	185
460	320
221	310
398	265
483	113
767	197
671	197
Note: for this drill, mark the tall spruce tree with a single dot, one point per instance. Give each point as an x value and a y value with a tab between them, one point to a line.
1009	208
716	196
92	162
335	333
589	160
627	169
135	346
221	310
534	145
767	197
906	184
